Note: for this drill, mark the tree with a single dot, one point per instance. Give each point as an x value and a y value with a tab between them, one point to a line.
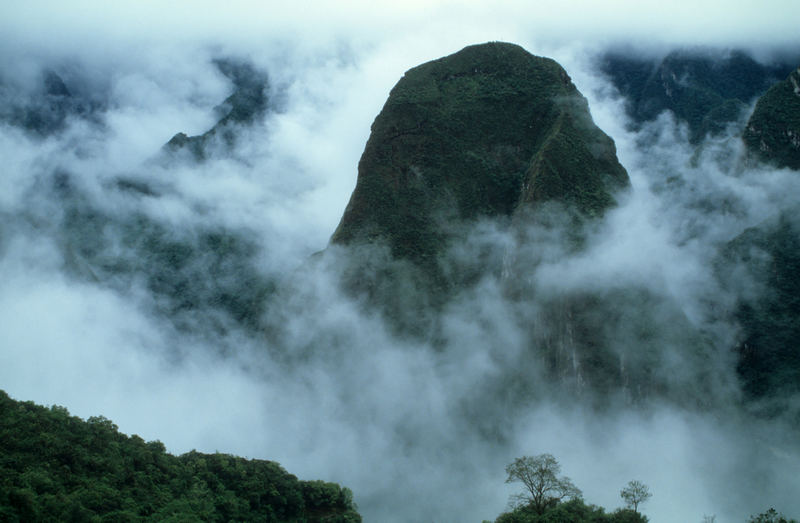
770	516
539	476
635	493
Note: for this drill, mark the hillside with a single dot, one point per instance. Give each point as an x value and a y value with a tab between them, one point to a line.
57	467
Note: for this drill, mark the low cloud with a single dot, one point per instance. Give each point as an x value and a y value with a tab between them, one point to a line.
419	429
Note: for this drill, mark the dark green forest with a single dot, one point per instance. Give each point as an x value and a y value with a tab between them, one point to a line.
58	467
572	511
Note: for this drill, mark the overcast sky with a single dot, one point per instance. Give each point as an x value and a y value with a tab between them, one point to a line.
702	21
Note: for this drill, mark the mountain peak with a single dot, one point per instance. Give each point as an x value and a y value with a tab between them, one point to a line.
487	131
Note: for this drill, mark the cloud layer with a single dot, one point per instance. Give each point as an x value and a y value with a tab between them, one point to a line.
417	431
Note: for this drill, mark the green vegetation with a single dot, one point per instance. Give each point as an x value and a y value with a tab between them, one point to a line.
770	516
572	511
773	131
539	476
57	467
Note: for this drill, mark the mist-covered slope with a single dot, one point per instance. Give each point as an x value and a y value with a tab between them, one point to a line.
768	255
708	89
493	136
713	92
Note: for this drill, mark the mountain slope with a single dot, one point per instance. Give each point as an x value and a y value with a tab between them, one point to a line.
773	131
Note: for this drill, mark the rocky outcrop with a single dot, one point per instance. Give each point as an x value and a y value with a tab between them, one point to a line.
773	131
244	106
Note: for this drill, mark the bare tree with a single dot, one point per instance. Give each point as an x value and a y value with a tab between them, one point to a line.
539	476
635	493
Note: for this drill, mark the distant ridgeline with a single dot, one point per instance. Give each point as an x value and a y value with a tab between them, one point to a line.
45	108
57	467
204	269
706	88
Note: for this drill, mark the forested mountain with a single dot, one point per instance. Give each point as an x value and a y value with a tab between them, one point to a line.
708	89
490	131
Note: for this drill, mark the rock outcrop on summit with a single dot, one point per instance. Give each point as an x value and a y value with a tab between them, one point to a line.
491	130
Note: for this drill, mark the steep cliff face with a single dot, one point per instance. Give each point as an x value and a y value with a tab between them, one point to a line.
773	131
488	131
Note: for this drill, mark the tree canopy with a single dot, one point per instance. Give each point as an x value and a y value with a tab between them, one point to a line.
770	516
57	467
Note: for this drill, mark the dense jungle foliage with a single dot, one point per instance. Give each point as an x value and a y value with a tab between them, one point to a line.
58	467
572	511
